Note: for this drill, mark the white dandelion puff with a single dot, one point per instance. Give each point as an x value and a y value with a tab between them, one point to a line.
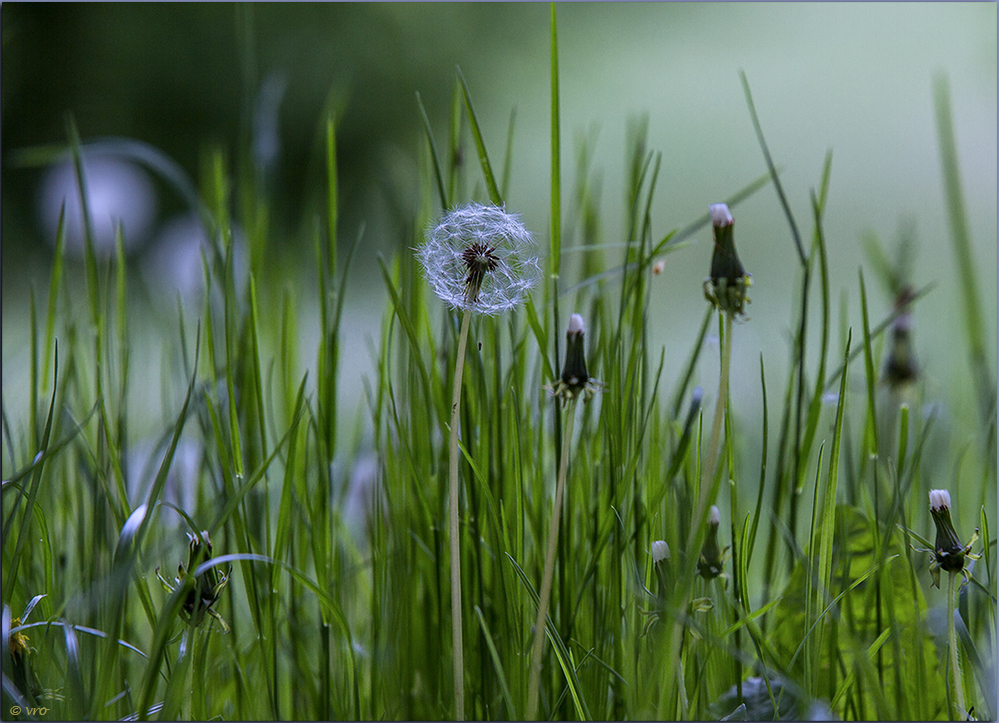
480	258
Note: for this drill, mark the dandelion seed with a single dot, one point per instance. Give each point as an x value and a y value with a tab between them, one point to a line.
480	258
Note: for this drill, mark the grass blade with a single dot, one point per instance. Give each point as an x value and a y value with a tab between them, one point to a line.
974	325
433	152
497	664
773	171
480	146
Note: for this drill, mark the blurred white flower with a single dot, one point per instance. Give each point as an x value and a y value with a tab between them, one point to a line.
118	191
266	126
480	258
660	551
354	493
174	264
143	463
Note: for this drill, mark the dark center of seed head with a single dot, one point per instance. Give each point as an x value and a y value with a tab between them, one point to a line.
480	260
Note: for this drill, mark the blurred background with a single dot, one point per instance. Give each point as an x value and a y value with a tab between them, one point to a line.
255	80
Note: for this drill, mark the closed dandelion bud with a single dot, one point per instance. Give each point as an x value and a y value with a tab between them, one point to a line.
727	286
480	258
710	563
575	377
948	548
574	374
948	552
208	585
901	367
202	594
660	551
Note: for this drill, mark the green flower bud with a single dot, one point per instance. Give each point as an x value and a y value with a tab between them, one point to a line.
575	377
574	374
727	286
901	367
710	563
948	548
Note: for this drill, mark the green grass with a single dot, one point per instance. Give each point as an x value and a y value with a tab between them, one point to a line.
824	603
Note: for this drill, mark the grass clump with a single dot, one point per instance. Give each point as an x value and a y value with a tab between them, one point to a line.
358	581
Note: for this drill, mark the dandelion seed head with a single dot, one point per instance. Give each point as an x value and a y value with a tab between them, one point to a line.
576	325
480	258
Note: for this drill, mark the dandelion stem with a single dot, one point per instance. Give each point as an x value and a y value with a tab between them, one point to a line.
546	580
708	470
458	652
708	491
955	666
684	711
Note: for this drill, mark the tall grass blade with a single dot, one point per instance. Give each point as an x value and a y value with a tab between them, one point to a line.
442	193
11	566
773	171
555	254
497	664
480	145
961	238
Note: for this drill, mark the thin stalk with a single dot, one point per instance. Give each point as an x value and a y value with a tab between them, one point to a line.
684	711
708	470
708	489
546	580
955	665
458	654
